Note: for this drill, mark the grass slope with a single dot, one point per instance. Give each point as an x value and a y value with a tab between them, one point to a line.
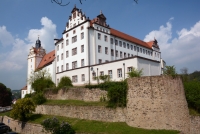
97	127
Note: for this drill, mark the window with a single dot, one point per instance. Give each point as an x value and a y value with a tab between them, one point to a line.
57	47
94	75
74	78
151	53
116	42
158	55
127	46
107	61
129	69
57	57
124	55
100	61
74	15
121	55
62	68
74	24
74	39
143	51
74	51
74	31
101	73
99	36
110	73
82	35
62	56
105	38
57	69
120	43
106	50
146	51
67	35
128	55
83	77
82	27
112	52
82	62
67	54
82	48
124	44
57	80
138	49
67	42
135	48
111	40
99	49
131	47
62	45
74	64
119	72
116	53
67	66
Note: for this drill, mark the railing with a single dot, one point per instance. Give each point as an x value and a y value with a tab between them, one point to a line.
4	109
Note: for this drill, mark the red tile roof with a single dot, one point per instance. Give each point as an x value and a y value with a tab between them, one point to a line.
48	58
24	88
129	38
150	43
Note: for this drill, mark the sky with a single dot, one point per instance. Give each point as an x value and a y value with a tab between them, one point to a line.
174	23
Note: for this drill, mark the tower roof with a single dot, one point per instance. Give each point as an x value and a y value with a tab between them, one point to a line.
38	43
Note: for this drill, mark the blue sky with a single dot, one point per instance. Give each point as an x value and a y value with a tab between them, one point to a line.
174	23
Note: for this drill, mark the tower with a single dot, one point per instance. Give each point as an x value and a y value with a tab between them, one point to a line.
34	58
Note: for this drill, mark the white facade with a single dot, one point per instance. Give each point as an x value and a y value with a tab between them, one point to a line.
91	48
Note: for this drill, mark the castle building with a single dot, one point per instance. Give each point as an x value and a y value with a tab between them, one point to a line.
90	48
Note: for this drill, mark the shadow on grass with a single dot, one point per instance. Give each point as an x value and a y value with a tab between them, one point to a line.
34	117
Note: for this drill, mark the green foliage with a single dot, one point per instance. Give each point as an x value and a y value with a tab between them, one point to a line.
104	78
23	109
195	75
5	96
55	127
38	74
40	84
65	82
28	95
192	92
39	98
170	70
135	73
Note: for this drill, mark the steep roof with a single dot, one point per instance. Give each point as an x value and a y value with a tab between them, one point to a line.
24	88
129	38
48	58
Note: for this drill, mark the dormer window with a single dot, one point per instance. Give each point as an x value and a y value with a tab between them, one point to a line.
74	15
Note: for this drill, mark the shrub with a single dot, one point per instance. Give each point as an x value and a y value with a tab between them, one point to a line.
40	84
170	70
135	73
65	82
23	109
55	127
39	98
28	96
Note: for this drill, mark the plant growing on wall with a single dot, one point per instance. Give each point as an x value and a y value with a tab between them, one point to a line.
55	127
23	109
170	70
135	73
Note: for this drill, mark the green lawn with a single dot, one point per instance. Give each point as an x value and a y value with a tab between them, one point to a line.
74	103
97	127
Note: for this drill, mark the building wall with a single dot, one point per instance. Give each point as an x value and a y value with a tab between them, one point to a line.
157	102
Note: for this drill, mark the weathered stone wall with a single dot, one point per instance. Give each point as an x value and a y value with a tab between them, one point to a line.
98	113
77	94
194	124
157	102
22	127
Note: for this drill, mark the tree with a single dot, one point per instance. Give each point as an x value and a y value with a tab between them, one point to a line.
23	109
38	74
65	82
170	70
5	96
55	127
135	73
184	74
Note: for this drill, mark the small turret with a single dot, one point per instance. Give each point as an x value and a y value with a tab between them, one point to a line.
38	43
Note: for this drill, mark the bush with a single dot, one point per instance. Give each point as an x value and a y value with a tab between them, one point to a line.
192	92
40	84
55	127
170	70
135	73
28	96
39	98
23	109
65	82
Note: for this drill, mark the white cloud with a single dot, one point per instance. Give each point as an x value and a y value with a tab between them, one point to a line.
5	37
16	57
183	51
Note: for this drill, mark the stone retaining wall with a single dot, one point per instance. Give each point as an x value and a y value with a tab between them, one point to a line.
194	124
77	94
85	112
